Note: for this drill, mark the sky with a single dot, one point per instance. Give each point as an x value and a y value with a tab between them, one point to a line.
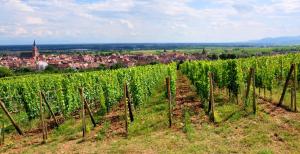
146	21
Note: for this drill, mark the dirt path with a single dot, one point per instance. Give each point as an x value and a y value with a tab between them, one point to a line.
277	112
187	98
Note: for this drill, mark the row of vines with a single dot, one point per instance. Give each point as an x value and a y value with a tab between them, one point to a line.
102	89
232	75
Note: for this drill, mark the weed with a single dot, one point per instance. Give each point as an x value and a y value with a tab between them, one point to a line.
103	131
187	127
68	130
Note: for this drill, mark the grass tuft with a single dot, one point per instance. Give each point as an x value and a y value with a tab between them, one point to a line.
187	126
103	131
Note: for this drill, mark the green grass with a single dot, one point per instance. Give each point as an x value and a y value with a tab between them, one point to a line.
21	119
276	94
265	151
240	132
152	116
103	131
68	130
188	128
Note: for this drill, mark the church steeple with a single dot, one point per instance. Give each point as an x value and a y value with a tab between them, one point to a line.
35	51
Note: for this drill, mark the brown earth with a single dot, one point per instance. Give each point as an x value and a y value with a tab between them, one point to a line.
187	98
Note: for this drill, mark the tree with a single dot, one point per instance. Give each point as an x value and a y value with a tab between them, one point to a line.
213	57
23	70
102	67
154	62
5	72
228	56
51	69
117	66
204	51
70	70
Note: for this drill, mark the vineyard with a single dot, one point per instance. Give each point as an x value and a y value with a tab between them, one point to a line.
219	103
233	78
102	90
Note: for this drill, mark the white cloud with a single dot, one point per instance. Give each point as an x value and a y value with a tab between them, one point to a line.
176	26
127	23
17	5
20	31
111	5
147	20
287	6
3	29
34	20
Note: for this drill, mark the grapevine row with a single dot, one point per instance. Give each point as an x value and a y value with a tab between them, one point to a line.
233	74
101	88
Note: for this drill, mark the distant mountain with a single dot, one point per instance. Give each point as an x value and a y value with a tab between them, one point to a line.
285	40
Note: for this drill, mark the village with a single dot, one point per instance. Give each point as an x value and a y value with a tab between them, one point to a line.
36	61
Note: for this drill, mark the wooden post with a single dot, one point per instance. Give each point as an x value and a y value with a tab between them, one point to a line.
129	104
292	98
3	138
125	110
48	106
295	88
2	134
83	113
46	124
286	84
254	95
90	113
168	83
86	106
248	86
211	100
42	119
281	70
10	118
292	92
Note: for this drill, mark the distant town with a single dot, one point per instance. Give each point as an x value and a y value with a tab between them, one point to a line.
85	59
36	61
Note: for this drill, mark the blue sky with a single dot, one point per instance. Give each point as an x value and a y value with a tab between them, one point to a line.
125	21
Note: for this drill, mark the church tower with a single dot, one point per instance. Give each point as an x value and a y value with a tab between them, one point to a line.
35	51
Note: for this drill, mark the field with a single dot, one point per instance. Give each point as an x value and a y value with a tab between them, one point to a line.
204	119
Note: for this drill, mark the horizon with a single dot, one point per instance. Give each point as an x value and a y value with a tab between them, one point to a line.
247	42
153	21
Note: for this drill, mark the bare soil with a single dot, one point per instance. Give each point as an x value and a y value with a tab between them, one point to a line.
187	99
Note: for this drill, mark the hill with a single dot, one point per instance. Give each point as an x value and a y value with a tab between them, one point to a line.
285	40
